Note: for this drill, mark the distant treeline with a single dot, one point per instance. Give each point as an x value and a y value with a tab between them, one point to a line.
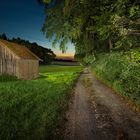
47	55
65	60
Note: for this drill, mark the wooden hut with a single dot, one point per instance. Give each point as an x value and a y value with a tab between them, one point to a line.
18	61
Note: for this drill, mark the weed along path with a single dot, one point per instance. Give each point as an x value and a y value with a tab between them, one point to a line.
97	113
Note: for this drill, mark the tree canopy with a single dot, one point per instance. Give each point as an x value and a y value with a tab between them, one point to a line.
93	25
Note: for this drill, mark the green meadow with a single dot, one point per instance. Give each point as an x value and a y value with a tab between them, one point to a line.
57	68
33	110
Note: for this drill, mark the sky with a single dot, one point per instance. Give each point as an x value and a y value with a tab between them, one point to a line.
24	19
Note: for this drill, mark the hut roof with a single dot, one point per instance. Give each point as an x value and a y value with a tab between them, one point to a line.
19	50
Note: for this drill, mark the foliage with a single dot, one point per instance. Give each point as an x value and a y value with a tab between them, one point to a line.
32	110
88	59
90	23
120	73
135	55
3	36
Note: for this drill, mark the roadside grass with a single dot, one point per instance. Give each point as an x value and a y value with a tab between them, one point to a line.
33	110
120	73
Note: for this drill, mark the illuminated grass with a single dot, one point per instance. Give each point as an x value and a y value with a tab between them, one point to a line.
33	109
55	68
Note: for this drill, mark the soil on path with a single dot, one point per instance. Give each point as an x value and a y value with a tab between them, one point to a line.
97	113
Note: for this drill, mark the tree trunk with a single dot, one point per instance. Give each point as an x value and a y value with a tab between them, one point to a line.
110	45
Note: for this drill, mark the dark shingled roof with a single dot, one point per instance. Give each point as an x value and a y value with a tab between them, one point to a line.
19	50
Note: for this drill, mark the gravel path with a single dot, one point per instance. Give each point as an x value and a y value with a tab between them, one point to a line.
97	113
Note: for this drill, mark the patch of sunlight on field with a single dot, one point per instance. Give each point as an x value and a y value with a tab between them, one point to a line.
55	68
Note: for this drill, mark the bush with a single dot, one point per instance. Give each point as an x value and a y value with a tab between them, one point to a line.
120	73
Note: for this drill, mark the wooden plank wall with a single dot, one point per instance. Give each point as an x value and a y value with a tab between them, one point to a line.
8	67
12	65
23	69
28	69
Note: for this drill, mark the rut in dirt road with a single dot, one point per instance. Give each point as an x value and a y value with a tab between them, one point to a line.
97	113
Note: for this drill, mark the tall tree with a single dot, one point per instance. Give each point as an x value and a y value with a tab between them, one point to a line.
3	36
93	25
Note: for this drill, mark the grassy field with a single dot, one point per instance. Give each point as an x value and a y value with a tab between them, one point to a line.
56	68
32	110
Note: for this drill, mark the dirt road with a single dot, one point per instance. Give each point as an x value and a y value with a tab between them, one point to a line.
97	113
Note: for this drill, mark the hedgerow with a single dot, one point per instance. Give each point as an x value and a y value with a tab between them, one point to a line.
121	73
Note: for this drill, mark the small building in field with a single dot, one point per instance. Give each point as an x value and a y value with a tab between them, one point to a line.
18	61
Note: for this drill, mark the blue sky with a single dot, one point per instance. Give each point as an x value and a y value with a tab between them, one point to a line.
24	19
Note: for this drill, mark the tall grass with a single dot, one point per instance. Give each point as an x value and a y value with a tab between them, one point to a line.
5	78
32	110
